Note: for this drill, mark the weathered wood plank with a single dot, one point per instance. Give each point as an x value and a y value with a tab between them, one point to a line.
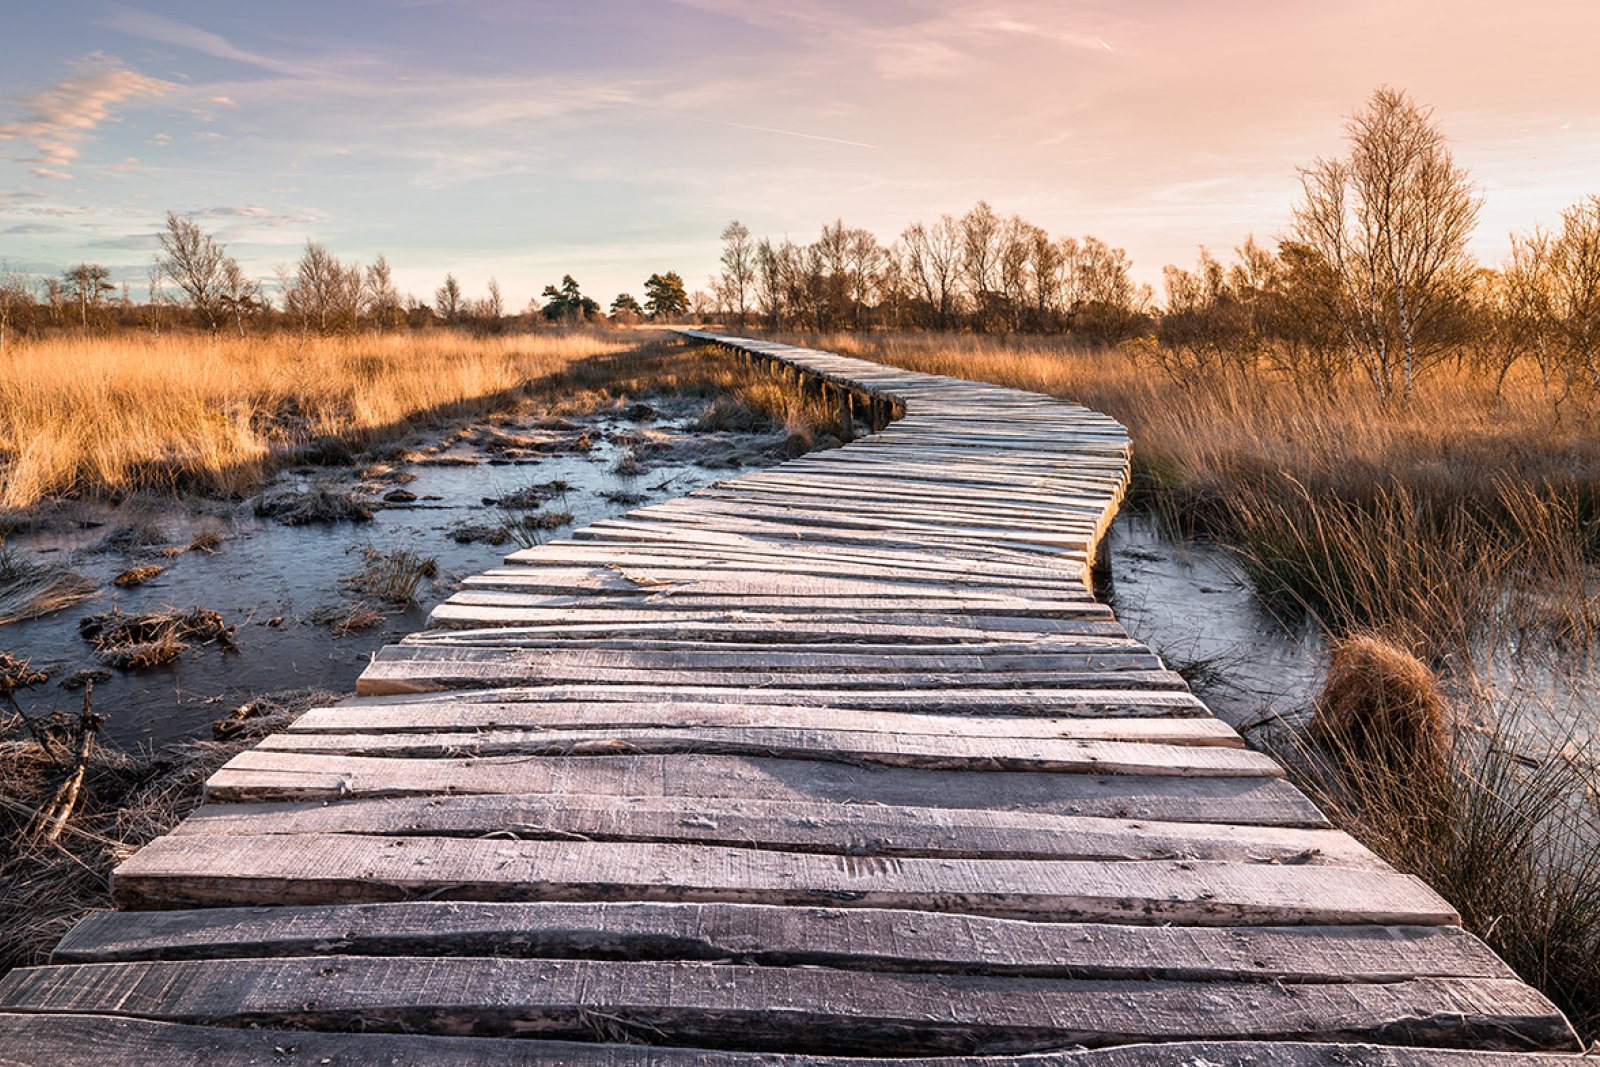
852	939
1110	703
202	870
95	1041
258	775
443	716
840	829
791	1009
929	751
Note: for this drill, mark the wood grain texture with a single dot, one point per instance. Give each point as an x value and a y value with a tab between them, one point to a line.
870	939
780	1008
319	868
98	1040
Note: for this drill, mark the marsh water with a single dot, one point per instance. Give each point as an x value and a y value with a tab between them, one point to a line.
1189	602
279	584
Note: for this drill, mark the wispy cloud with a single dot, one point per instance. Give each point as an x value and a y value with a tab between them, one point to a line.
55	121
784	133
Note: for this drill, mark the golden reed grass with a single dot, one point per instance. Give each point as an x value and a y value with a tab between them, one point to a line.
1436	522
81	416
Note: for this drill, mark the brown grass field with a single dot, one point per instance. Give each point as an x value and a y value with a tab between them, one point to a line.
104	416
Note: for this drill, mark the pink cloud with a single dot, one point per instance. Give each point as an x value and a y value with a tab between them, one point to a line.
55	121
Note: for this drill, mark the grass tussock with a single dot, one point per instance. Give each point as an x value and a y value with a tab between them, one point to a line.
153	639
106	416
123	800
394	578
319	505
30	589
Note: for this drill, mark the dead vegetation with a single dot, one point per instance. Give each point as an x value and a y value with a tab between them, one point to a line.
1508	832
153	639
136	576
319	504
123	800
29	590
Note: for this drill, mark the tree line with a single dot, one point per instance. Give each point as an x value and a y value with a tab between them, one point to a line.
977	272
194	282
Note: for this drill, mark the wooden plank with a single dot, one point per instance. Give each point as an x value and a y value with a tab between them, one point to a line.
95	1041
1086	703
709	656
929	751
846	829
864	939
432	716
258	775
838	1012
201	870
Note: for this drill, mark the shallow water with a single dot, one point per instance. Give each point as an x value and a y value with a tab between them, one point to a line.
1188	602
268	579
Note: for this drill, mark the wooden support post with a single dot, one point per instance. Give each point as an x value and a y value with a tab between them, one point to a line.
847	422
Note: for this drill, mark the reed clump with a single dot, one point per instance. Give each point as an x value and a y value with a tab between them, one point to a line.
1455	794
1381	703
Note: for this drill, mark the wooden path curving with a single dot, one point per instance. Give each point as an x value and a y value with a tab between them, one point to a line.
837	759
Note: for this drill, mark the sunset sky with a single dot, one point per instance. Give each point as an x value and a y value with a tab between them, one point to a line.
612	138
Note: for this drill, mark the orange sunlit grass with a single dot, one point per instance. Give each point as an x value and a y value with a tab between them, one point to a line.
87	415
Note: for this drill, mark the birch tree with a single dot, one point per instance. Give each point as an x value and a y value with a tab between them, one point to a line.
1392	221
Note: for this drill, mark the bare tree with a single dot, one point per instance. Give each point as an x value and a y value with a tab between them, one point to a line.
87	285
447	300
381	299
1573	281
980	255
197	265
323	294
241	294
933	260
15	295
1392	221
738	270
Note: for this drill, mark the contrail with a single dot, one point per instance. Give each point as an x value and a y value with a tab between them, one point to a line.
786	133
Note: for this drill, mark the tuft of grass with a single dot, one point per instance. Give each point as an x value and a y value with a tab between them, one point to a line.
1499	828
29	590
393	577
342	620
139	642
1380	702
135	576
320	504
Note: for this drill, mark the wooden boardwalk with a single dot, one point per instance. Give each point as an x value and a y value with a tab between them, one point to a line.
838	759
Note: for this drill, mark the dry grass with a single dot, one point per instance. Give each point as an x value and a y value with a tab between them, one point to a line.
1381	702
1510	838
154	639
110	415
127	799
29	589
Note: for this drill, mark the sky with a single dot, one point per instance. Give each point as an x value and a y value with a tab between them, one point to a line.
609	139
